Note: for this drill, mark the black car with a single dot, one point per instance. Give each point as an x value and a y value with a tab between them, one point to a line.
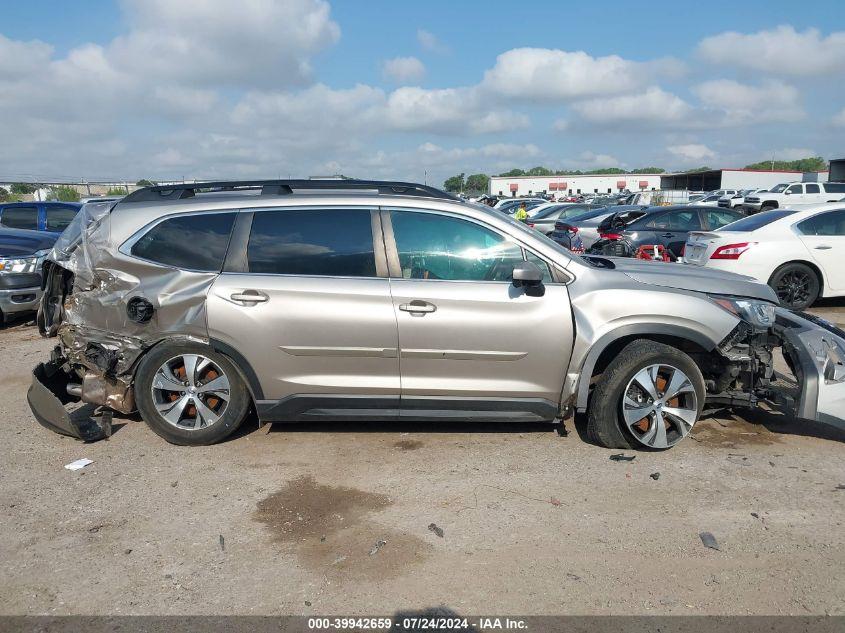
544	220
21	255
622	234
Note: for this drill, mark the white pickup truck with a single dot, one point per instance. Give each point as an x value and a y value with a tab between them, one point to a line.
788	194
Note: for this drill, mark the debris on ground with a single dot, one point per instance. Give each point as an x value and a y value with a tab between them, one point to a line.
655	476
622	457
433	527
840	487
174	484
307	603
222	544
561	430
554	501
709	540
379	544
127	551
755	515
79	463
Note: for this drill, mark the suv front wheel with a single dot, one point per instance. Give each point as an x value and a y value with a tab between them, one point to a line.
650	396
190	394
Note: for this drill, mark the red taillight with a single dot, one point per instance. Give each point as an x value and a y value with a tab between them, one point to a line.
530	225
572	229
731	251
610	236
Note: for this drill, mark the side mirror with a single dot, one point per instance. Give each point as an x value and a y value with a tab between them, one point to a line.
527	275
787	193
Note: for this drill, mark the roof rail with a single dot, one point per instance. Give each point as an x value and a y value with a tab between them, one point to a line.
284	187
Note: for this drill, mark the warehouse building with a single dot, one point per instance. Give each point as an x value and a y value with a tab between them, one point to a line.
572	184
735	179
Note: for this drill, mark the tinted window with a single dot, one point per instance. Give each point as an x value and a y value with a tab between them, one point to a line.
754	222
812	188
718	219
59	217
677	221
830	223
553	210
588	215
20	218
439	247
192	242
331	242
795	189
834	187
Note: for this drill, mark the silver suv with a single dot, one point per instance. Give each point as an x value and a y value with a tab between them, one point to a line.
358	300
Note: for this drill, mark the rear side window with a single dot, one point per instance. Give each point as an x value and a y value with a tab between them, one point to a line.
812	189
59	217
329	242
834	187
718	219
20	218
830	223
192	242
757	221
677	221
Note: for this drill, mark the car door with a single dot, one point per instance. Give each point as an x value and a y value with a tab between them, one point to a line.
794	195
305	300
672	228
824	237
468	338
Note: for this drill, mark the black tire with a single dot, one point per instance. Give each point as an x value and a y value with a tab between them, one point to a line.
604	416
768	207
232	416
796	285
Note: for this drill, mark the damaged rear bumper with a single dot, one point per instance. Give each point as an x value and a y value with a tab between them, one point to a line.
815	350
48	396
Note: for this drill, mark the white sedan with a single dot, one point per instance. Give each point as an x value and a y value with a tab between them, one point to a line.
798	253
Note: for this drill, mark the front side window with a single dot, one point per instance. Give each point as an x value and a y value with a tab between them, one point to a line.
20	218
58	218
191	242
795	189
432	246
326	242
831	223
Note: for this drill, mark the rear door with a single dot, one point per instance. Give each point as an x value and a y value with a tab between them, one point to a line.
468	337
672	228
305	299
824	237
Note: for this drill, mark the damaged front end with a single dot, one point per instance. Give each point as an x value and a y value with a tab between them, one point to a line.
744	374
105	318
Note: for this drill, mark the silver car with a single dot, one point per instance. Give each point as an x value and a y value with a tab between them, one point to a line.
360	300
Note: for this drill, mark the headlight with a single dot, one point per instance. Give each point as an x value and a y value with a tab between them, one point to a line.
760	314
30	264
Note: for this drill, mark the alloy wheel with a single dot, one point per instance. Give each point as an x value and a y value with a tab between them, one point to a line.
190	391
659	406
793	288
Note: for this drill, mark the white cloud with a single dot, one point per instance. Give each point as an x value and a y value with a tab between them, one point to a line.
692	152
430	42
20	59
403	69
560	125
551	74
654	105
780	50
739	103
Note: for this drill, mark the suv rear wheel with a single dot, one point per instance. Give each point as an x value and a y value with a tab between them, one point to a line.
650	396
189	394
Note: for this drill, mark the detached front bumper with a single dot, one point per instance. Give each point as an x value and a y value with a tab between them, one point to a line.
815	350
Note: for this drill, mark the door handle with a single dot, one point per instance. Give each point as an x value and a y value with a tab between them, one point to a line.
249	296
822	247
417	307
668	235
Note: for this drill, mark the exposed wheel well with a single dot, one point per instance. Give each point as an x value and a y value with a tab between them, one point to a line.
809	265
771	204
612	350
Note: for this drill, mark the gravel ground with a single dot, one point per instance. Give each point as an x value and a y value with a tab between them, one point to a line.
331	518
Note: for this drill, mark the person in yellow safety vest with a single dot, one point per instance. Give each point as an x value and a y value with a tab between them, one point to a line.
521	214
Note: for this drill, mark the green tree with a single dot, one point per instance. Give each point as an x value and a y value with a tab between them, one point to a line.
648	170
63	193
477	182
455	183
513	173
812	163
5	196
19	188
539	171
696	170
116	191
145	183
607	170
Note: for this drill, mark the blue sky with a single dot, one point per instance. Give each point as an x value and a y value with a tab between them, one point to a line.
412	90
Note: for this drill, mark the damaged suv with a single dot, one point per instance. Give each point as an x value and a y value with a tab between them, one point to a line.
358	300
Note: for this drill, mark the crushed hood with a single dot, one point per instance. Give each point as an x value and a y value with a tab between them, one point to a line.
696	278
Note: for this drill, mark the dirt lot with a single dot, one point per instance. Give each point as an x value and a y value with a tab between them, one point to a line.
290	520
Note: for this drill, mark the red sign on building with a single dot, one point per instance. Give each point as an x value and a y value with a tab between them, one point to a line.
514	186
644	184
621	184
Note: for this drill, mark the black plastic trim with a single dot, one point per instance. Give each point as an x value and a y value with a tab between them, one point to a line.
242	364
236	254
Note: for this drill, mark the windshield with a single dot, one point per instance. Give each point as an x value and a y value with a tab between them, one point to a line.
590	215
757	221
545	210
779	188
